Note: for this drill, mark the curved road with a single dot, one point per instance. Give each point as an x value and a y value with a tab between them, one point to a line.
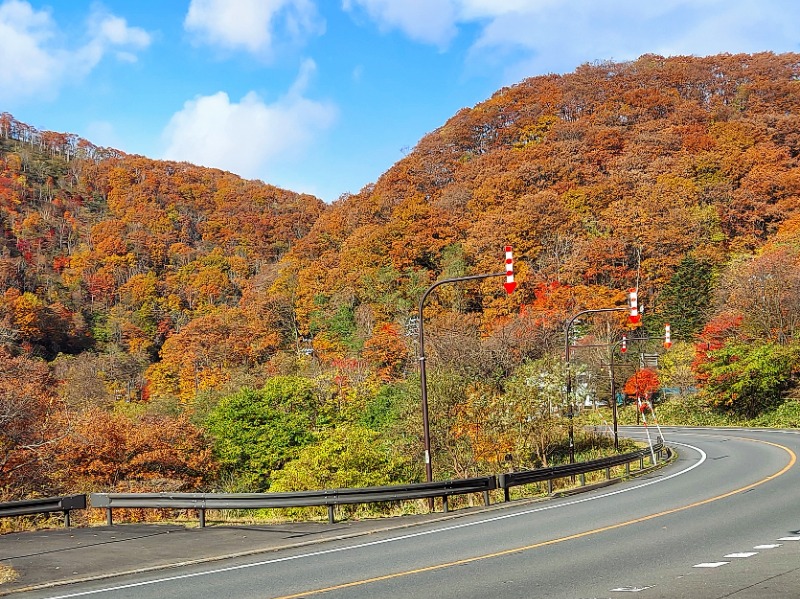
722	521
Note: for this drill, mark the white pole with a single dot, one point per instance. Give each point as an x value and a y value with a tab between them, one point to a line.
646	430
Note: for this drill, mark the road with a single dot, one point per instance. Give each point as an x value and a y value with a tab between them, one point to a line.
722	521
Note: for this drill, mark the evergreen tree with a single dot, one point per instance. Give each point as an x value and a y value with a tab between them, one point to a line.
686	298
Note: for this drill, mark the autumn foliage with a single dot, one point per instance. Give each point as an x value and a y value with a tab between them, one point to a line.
642	385
137	295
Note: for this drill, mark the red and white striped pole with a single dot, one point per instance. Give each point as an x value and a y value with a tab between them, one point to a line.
633	298
667	337
510	285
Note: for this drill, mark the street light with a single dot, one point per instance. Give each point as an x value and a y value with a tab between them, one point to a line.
623	348
426	432
634	318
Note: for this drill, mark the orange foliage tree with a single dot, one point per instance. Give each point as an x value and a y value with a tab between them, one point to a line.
31	419
642	384
387	351
113	452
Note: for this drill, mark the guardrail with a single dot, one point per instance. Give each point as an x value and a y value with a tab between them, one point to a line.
47	505
513	479
329	498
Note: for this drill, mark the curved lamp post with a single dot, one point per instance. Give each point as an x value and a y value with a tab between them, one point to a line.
426	432
567	347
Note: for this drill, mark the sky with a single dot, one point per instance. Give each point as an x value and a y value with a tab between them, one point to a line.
324	96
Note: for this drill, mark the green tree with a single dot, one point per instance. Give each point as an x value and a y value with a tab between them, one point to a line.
686	298
349	456
675	367
257	432
533	396
747	380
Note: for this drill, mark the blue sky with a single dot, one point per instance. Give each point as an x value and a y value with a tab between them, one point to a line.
323	96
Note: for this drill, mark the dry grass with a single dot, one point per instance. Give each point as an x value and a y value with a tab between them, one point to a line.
7	574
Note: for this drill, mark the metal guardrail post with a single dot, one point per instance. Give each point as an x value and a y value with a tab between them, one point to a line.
109	517
331	515
501	482
202	517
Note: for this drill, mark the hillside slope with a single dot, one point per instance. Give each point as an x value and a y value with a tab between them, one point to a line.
606	177
602	179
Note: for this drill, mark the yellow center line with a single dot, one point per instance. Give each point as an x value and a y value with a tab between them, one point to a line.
469	560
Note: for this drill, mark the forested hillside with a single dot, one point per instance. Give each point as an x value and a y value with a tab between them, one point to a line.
169	326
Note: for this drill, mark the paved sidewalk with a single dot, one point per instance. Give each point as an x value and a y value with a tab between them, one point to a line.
52	557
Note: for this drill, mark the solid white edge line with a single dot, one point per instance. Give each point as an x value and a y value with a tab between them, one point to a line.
703	458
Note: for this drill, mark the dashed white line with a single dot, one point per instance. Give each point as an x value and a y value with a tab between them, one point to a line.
710	564
771	546
789	539
741	554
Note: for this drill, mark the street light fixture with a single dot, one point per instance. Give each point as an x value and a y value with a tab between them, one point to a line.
634	318
426	432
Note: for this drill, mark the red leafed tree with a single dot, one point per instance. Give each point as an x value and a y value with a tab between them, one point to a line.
642	384
30	421
724	327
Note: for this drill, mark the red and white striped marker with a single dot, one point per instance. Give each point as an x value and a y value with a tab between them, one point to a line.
510	285
624	346
633	297
667	338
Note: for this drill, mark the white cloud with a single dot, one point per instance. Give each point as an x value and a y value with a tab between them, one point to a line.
253	25
35	65
428	21
249	137
546	38
28	68
530	37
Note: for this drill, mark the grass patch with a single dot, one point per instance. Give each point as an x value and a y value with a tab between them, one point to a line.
692	411
7	574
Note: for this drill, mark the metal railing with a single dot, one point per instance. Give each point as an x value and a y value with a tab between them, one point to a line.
47	505
329	498
525	477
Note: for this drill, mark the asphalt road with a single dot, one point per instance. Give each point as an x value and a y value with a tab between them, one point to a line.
722	521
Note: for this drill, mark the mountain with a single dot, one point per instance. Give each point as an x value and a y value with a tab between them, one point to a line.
101	249
603	179
138	294
607	177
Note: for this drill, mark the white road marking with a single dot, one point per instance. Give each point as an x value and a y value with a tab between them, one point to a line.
772	546
710	564
789	539
742	554
631	589
165	579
